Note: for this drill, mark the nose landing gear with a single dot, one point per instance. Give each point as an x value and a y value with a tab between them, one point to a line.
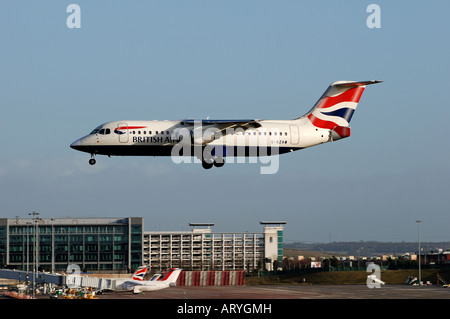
92	161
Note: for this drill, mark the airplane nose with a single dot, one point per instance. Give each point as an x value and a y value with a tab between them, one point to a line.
76	145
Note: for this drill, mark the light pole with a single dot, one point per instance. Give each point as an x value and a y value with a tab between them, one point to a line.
53	247
418	239
35	219
28	246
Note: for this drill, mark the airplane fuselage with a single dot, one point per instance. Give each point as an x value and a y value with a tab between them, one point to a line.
156	138
213	140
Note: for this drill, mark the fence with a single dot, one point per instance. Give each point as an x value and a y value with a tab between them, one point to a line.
211	278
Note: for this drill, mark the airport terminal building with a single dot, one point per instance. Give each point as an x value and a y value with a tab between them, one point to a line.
121	244
94	244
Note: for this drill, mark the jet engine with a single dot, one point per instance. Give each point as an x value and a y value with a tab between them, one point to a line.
203	137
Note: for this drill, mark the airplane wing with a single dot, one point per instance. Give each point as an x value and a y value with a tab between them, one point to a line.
222	125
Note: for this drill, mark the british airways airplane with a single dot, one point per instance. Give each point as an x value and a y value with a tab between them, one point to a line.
139	285
211	141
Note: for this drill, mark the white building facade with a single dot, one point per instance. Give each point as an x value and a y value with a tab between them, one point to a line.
201	249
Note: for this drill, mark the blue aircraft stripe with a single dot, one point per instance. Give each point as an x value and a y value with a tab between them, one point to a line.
345	113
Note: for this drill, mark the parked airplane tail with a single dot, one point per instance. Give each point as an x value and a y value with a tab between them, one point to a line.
155	277
140	273
336	106
171	276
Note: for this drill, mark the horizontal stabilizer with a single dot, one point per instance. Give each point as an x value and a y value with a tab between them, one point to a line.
354	83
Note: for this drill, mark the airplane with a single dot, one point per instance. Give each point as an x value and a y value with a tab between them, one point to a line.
211	141
137	286
138	275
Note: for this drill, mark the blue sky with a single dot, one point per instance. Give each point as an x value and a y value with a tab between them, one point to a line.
229	59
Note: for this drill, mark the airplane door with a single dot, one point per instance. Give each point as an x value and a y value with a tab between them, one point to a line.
122	130
294	134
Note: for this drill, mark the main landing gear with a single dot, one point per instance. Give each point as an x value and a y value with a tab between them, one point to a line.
210	162
207	163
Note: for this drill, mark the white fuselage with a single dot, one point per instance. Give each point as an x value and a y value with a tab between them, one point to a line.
157	138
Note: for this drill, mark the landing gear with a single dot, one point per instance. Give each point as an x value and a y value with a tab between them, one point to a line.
92	161
210	162
207	165
219	162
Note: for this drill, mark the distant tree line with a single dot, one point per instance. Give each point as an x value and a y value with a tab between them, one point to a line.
370	248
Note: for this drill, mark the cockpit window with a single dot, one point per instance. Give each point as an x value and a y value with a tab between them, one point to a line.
95	131
100	130
104	131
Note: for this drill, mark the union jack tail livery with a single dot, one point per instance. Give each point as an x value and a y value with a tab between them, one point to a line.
337	104
140	273
334	110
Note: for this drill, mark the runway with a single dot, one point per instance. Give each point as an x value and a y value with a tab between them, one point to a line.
277	300
281	292
257	301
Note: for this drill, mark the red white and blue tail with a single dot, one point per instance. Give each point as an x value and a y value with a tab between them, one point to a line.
336	106
171	276
139	274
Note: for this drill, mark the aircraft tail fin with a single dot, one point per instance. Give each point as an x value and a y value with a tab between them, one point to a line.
336	106
140	273
155	277
171	276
